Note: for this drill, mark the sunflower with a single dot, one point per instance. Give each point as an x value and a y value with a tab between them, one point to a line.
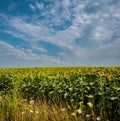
101	73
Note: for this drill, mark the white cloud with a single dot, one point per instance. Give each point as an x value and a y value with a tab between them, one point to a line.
32	7
40	6
15	34
107	54
11	52
101	34
36	47
66	21
29	29
34	33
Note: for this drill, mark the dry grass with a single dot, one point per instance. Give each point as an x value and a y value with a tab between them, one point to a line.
22	110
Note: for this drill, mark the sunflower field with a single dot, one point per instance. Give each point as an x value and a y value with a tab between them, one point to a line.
77	93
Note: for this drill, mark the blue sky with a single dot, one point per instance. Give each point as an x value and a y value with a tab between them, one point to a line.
59	32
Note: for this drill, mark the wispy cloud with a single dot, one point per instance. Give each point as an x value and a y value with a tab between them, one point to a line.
10	51
32	7
40	6
38	48
13	53
87	30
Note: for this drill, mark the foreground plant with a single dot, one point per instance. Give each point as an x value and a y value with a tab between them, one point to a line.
78	93
25	110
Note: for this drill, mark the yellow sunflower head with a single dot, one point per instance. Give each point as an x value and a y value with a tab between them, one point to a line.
101	73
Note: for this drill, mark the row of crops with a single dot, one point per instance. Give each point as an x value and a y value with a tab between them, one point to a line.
83	90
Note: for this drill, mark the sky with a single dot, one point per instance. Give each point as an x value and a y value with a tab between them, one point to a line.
59	33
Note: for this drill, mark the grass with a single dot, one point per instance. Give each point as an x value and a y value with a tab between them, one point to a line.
24	110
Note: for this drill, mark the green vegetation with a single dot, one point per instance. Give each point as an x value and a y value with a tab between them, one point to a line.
60	94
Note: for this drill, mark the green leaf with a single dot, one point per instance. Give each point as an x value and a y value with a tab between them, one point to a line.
114	98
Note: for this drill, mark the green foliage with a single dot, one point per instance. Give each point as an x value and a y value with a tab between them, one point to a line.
94	91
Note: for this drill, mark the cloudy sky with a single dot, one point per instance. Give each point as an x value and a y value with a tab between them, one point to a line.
59	32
